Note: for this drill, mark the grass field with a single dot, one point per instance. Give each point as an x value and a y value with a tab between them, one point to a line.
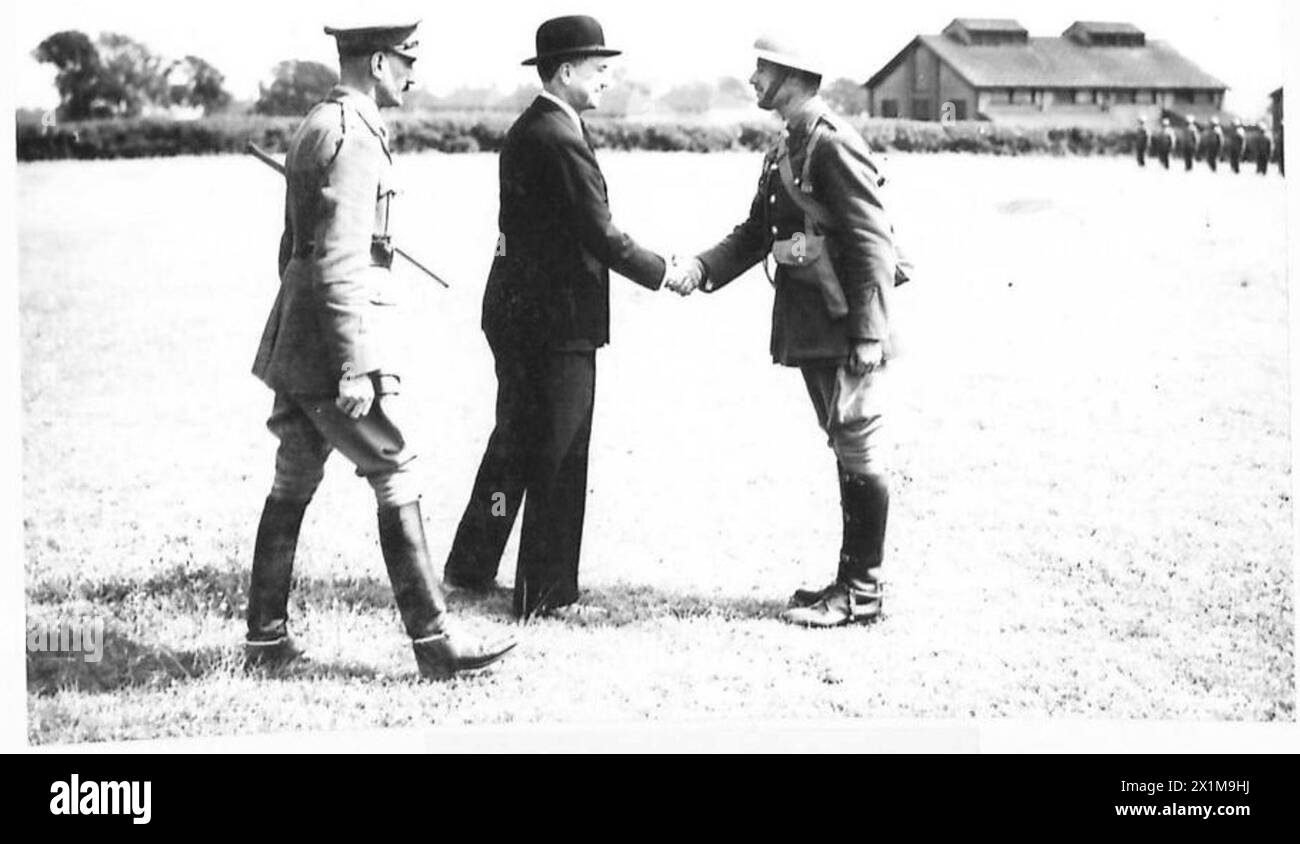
1091	505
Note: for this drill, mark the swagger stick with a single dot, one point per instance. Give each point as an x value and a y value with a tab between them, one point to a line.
265	157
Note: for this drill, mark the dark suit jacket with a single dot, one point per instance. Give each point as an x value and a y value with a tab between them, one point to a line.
549	284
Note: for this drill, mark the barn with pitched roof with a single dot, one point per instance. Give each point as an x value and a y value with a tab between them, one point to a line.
992	69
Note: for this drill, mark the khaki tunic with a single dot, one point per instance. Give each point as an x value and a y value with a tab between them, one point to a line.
332	311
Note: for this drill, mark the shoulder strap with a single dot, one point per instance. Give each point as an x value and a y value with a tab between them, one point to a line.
814	212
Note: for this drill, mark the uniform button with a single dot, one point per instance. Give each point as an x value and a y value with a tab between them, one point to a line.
773	229
796	181
772	199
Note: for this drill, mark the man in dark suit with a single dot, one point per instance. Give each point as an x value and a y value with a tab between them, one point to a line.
545	312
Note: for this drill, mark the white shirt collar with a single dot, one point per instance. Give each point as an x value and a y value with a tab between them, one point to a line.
577	121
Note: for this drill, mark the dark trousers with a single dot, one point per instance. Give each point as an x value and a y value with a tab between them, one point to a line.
537	452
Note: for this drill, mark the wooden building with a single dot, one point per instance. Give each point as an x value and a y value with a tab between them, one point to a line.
1093	73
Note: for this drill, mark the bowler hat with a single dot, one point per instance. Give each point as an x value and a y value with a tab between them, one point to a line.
363	40
572	35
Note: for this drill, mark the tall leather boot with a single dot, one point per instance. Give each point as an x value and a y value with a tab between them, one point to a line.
866	514
438	653
268	643
857	595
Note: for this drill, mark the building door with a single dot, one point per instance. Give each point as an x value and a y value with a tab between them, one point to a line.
921	109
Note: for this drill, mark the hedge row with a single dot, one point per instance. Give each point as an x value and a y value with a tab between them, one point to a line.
454	133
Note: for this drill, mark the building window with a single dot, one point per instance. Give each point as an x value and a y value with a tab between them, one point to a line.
921	109
1183	96
959	109
1022	96
1126	96
889	108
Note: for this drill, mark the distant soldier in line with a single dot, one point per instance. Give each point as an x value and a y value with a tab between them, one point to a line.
1143	141
1191	142
1214	144
1281	152
1165	147
1236	145
324	353
1263	149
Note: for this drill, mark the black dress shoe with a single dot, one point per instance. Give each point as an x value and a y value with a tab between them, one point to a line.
475	585
440	657
271	655
576	611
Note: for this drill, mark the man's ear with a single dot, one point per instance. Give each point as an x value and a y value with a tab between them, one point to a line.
377	65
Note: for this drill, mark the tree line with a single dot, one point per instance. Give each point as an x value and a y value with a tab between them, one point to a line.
115	76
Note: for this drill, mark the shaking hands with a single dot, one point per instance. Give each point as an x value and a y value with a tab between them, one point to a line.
684	275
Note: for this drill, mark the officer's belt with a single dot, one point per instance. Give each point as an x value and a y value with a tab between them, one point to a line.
381	251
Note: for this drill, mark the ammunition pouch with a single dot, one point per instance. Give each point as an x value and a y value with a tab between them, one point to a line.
805	260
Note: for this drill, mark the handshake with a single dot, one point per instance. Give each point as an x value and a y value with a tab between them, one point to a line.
684	275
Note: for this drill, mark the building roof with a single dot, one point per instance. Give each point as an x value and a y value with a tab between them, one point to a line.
1108	27
1061	63
990	24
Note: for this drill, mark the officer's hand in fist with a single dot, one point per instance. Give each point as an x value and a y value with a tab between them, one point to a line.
356	394
865	356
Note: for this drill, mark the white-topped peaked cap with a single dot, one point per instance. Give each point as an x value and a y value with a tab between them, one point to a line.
788	53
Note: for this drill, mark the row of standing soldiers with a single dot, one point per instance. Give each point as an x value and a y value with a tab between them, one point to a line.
1213	145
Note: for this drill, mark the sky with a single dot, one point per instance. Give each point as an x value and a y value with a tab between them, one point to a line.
665	43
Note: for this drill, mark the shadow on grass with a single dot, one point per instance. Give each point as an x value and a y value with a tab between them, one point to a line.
224	592
125	663
628	604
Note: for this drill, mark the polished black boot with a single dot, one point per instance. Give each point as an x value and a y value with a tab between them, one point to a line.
856	596
866	515
438	653
268	643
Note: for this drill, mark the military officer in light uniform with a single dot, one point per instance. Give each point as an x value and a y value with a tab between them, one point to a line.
322	352
818	215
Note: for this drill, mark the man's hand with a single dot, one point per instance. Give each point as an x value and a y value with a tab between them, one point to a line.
684	275
865	356
356	394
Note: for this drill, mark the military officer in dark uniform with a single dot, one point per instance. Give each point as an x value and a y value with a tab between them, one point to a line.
1143	141
322	352
1191	142
545	313
1236	145
819	215
1214	144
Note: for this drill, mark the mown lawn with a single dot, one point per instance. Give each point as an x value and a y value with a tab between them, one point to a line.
1091	513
